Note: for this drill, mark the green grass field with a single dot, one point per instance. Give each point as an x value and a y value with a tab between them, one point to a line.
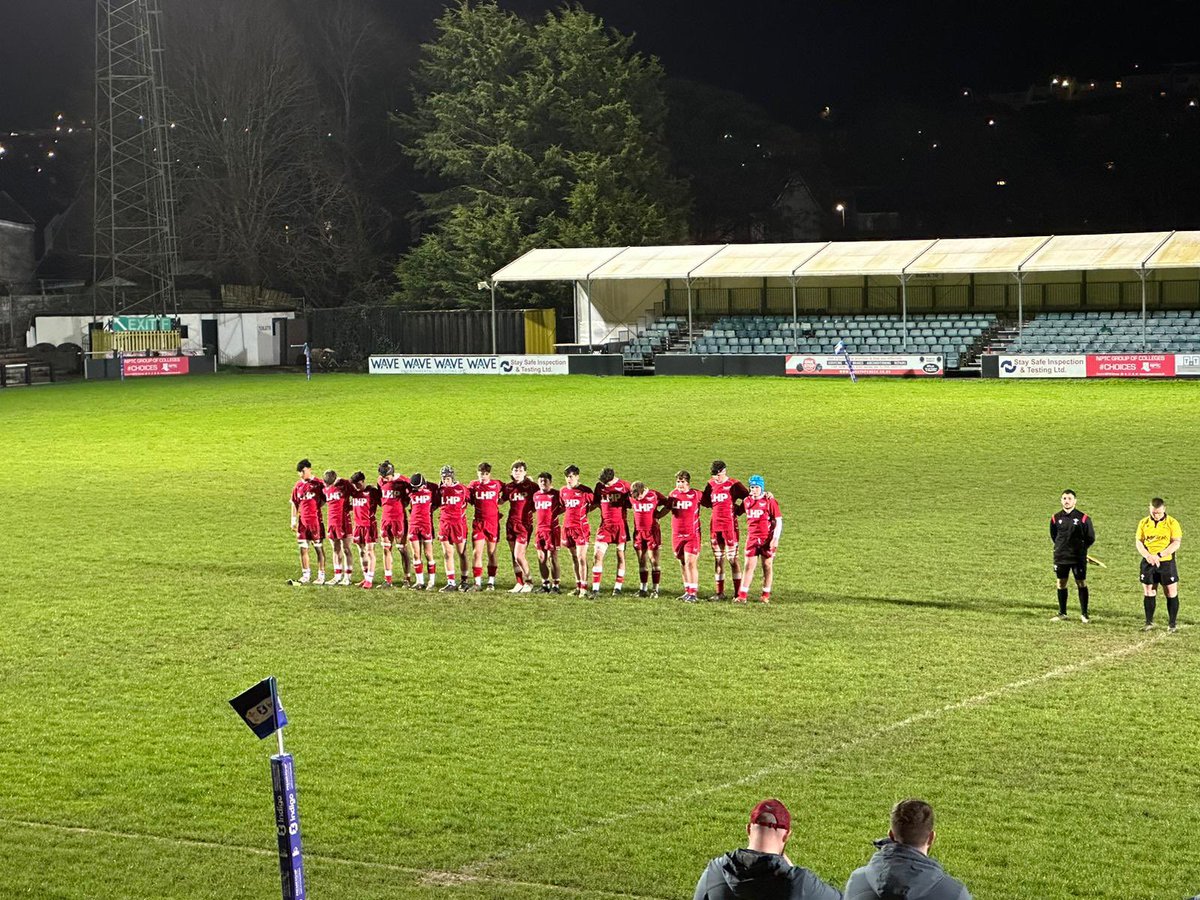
496	746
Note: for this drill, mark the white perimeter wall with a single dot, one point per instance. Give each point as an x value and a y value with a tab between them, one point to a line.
243	339
613	305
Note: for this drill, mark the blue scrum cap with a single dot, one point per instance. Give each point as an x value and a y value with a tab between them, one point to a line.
757	481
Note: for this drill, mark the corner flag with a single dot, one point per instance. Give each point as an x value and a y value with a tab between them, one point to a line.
840	350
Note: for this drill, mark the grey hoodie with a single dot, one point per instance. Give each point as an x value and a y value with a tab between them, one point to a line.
751	875
899	872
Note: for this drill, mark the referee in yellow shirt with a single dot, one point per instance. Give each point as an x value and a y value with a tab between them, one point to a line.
1158	537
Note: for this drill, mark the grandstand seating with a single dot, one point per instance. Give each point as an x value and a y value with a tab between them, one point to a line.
655	338
1170	331
952	335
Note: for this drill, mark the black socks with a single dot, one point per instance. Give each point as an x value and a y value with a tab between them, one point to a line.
1172	610
1083	600
1148	606
1062	601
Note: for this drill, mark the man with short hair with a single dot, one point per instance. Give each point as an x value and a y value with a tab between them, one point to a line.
612	494
518	527
648	507
393	528
685	532
364	501
724	496
1073	532
452	526
902	867
762	871
547	507
337	506
423	500
764	527
308	496
577	502
1158	539
486	494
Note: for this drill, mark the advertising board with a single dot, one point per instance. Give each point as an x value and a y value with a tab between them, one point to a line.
891	364
468	365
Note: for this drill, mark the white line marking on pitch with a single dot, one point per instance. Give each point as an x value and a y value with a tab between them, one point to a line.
428	876
816	755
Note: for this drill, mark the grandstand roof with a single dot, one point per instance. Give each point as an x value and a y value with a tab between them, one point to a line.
966	255
958	256
657	262
567	264
1181	251
1070	252
758	260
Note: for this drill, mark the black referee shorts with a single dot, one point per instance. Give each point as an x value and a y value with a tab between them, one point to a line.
1164	573
1063	570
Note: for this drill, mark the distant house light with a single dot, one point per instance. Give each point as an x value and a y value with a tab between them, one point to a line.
1118	85
1000	182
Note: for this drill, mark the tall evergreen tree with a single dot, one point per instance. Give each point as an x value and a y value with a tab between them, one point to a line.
546	134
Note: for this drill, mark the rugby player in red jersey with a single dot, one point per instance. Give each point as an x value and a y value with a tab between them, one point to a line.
764	525
612	494
685	532
548	507
452	526
393	531
423	500
364	501
308	496
485	494
724	496
648	507
577	502
518	527
337	505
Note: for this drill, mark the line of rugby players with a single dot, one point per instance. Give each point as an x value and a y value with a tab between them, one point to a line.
406	506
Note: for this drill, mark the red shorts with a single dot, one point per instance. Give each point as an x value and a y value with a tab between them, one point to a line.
547	540
393	532
516	531
612	533
339	531
686	544
313	532
420	533
366	534
724	538
759	547
577	535
485	531
452	532
647	540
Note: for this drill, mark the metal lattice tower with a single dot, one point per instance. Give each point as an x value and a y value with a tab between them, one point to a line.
135	251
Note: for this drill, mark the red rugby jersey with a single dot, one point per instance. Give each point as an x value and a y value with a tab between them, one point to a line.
486	497
364	502
722	497
393	493
761	515
576	503
309	496
685	512
519	495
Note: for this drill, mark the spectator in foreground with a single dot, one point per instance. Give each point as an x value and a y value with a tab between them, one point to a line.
762	871
901	867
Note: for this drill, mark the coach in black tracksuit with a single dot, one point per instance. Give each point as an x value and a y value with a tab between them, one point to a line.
1072	531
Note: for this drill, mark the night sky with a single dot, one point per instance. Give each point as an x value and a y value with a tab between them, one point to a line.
791	56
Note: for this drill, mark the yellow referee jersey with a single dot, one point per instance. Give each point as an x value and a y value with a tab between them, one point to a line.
1157	535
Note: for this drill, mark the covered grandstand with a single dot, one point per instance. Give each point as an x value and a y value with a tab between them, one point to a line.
951	296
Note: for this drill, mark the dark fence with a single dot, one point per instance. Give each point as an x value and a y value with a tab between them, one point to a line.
353	333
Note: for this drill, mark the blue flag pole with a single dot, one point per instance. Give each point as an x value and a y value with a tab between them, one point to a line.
260	708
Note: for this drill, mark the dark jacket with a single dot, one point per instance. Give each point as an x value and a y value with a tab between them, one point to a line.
898	872
1072	533
751	875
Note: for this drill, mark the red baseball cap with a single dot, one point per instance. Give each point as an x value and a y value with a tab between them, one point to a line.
773	814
